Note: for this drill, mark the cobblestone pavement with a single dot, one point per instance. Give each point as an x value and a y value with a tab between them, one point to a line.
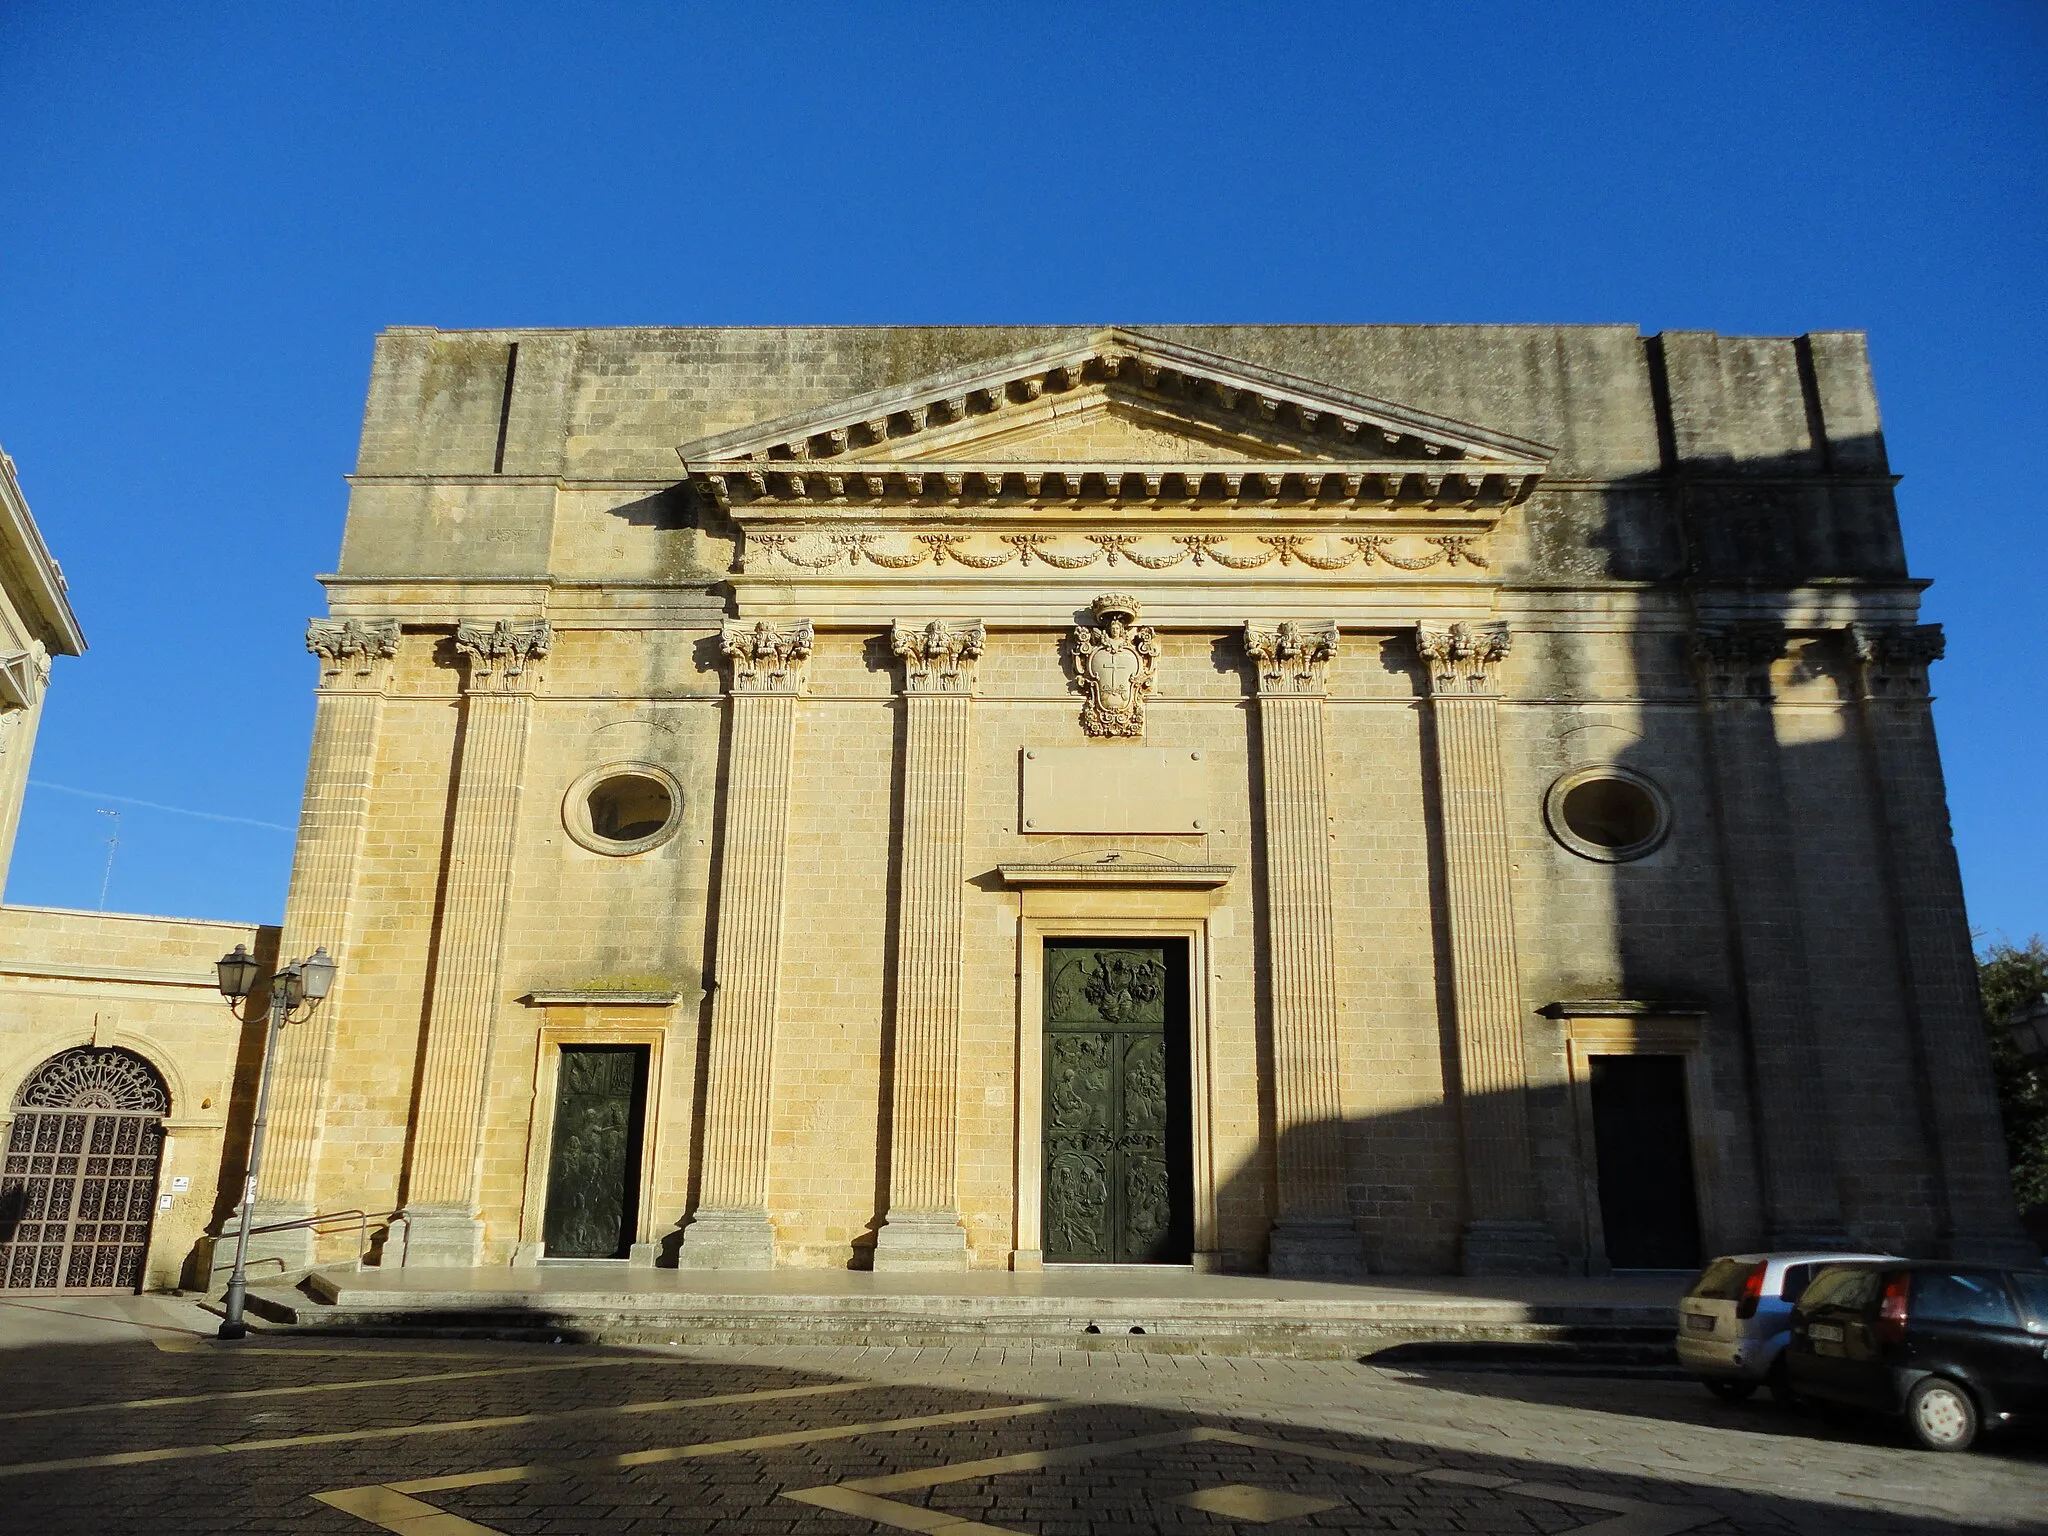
146	1424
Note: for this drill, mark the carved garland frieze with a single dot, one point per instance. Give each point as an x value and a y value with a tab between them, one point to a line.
768	658
1116	662
939	657
1462	657
1217	551
1293	656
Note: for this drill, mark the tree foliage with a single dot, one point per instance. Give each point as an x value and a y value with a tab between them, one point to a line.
2011	975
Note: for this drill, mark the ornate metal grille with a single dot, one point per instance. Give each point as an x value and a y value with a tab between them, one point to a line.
78	1185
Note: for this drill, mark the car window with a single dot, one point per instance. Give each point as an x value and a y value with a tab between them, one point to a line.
1797	1278
1962	1296
2033	1291
1722	1280
1840	1287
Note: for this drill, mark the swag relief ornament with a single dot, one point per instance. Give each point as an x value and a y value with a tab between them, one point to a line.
1115	661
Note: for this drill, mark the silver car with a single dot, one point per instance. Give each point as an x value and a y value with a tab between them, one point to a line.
1734	1322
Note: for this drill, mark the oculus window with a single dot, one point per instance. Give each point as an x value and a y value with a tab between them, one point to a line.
623	808
1608	813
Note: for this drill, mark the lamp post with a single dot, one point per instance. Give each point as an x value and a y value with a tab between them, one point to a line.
301	985
2029	1028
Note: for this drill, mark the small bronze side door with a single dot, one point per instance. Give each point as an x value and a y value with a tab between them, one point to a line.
594	1153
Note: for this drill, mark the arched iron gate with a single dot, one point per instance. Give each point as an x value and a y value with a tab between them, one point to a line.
78	1187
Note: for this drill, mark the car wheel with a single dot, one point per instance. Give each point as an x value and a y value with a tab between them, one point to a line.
1780	1381
1941	1415
1729	1391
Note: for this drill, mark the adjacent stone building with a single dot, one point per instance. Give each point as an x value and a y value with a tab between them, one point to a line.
120	1071
1315	798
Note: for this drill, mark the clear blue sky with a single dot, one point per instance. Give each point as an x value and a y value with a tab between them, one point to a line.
208	211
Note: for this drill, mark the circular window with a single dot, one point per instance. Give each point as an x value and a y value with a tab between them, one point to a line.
623	808
1607	813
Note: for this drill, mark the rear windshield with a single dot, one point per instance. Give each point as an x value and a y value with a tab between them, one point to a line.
1962	1296
1840	1287
1721	1280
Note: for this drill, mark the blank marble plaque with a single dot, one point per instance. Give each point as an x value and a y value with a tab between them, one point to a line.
1116	789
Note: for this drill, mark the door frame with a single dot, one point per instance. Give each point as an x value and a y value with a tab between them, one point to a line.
1055	913
1636	1029
574	1027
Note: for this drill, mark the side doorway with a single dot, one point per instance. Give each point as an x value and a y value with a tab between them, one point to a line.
595	1143
1642	1136
1118	1175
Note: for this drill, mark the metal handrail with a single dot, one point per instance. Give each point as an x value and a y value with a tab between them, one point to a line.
362	1226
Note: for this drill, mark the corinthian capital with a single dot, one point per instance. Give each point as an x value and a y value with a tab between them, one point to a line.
352	651
1894	658
768	658
1734	660
1462	657
939	657
499	653
1293	655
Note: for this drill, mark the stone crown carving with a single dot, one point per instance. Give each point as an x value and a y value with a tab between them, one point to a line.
768	658
1735	659
1116	661
1293	656
503	649
1462	657
1895	657
939	657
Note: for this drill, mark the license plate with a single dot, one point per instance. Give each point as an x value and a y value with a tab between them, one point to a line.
1699	1322
1824	1333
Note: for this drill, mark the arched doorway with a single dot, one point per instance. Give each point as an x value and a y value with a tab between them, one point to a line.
78	1188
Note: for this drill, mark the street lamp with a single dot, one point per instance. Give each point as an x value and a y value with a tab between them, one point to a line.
295	992
2029	1028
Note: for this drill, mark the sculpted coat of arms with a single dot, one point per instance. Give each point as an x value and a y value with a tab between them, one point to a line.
1115	659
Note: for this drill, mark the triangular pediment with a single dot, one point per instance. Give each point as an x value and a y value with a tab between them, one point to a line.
1109	413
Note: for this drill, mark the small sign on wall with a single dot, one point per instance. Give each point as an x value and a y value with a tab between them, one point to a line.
1116	789
163	1202
180	1184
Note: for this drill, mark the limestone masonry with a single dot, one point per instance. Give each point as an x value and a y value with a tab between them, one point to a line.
1318	798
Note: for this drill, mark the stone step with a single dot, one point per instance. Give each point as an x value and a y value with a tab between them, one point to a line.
1407	1328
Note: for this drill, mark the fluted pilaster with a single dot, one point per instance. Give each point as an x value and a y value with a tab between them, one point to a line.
1504	1231
355	673
1802	1207
1934	938
442	1222
923	1228
1312	1232
730	1228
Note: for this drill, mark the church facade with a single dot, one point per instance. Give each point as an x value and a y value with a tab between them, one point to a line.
1312	799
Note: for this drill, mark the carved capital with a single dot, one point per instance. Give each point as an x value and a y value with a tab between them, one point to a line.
768	658
353	652
1734	660
1462	657
1116	662
939	657
500	654
1894	658
1293	655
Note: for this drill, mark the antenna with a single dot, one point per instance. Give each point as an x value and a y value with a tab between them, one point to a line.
113	846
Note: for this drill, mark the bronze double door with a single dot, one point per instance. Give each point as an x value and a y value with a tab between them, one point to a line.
1119	1169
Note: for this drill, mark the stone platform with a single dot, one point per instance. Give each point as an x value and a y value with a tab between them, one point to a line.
1622	1319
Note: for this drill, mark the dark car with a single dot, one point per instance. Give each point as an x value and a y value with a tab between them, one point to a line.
1950	1347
